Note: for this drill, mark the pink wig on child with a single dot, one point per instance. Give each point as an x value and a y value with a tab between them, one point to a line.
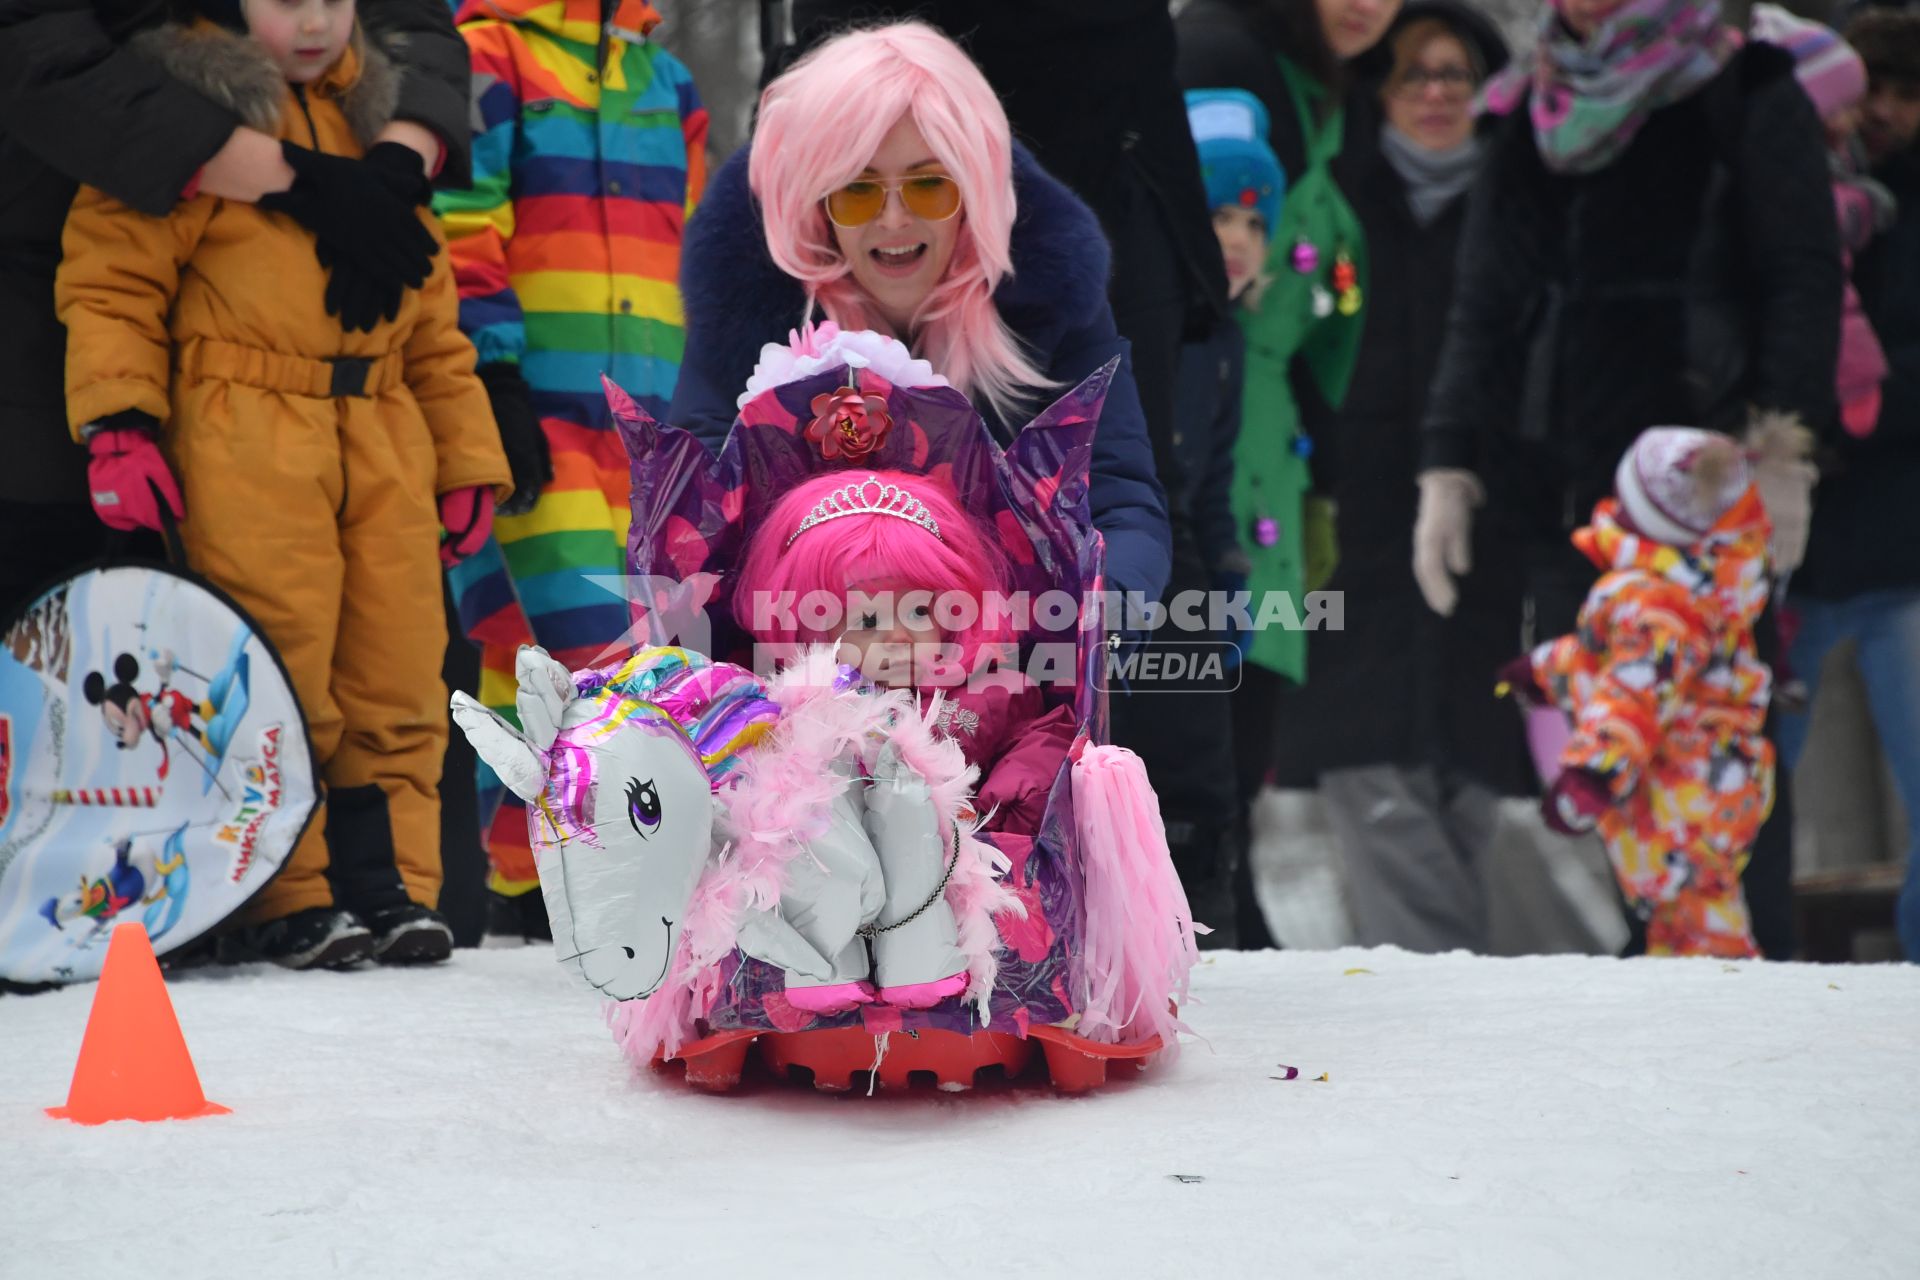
831	555
821	123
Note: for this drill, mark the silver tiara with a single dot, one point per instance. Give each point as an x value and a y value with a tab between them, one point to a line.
852	500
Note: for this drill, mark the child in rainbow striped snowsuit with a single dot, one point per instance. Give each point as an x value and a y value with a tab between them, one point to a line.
589	153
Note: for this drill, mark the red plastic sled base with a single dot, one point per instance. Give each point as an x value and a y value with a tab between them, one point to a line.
946	1059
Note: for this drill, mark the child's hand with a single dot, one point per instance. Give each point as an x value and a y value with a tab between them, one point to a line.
1515	679
467	515
1575	801
128	478
522	438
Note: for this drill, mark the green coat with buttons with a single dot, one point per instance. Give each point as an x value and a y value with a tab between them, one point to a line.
1301	319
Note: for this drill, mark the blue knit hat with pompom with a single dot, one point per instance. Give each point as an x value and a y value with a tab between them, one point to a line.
1230	131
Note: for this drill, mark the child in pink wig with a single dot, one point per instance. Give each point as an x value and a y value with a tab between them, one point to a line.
905	559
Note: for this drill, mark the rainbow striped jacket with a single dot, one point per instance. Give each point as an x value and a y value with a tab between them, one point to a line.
589	152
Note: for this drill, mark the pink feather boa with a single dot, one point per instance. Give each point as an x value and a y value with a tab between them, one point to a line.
781	799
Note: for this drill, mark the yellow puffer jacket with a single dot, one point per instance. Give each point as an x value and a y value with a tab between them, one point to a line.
224	290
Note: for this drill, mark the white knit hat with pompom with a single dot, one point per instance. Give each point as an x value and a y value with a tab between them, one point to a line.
1676	482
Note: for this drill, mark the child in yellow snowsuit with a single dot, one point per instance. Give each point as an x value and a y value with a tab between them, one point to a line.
317	464
1664	687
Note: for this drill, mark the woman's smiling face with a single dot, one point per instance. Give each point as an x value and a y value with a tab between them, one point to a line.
899	257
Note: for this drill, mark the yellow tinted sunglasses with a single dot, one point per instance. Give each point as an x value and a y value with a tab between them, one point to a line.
932	196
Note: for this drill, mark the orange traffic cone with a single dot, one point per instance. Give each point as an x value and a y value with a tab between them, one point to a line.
134	1063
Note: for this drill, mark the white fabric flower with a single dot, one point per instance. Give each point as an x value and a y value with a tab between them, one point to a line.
807	352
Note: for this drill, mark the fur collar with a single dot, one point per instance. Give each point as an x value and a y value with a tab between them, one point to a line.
737	300
237	73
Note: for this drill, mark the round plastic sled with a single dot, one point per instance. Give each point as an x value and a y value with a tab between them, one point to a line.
154	767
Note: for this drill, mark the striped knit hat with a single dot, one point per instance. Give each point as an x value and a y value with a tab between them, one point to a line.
1675	483
1826	66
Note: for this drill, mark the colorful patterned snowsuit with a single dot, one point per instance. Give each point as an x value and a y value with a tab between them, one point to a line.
1668	700
588	154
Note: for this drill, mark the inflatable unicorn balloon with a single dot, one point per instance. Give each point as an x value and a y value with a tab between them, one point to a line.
681	809
618	769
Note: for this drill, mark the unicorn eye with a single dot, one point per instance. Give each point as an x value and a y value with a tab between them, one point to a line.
643	807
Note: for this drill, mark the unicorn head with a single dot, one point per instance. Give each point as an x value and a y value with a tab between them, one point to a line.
618	767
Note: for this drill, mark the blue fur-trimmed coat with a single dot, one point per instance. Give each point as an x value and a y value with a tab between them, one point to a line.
1055	301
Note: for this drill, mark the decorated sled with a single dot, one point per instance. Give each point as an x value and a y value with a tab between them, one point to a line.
154	767
1077	940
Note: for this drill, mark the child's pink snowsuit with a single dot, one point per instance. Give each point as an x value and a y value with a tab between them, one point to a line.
1019	745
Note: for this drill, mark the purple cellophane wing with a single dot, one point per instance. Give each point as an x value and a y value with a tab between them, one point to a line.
692	514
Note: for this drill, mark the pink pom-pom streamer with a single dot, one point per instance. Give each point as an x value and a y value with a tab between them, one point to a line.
1138	948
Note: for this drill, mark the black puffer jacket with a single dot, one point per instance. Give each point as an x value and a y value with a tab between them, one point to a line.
77	106
1400	684
1866	512
1696	275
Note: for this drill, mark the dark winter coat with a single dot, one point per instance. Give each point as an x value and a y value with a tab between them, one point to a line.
77	106
1866	510
1696	275
1055	302
1206	426
1400	684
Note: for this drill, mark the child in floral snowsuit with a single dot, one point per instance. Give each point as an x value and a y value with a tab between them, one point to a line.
1667	695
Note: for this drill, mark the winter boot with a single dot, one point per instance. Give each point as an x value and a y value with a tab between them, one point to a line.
518	915
195	955
916	941
317	938
366	879
1206	855
409	934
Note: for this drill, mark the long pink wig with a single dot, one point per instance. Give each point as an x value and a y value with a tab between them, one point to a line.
829	556
820	125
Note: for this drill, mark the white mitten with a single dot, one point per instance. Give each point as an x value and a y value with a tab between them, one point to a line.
1785	475
1443	534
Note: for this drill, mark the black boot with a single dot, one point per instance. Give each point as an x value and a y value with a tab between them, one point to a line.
410	934
1206	855
521	915
366	878
317	938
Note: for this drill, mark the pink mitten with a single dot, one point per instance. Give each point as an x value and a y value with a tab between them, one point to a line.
128	477
1575	802
467	515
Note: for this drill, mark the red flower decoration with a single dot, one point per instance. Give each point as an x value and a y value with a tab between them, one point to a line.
847	424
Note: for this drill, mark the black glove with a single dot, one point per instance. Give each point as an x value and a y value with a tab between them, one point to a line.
361	299
521	437
365	225
402	170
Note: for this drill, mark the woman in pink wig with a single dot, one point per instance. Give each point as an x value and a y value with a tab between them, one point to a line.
907	579
882	190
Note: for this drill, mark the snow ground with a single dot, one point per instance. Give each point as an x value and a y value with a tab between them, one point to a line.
1533	1118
